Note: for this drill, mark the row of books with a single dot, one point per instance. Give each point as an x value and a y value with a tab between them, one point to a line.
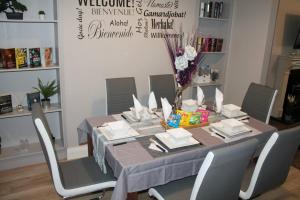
209	44
213	9
15	58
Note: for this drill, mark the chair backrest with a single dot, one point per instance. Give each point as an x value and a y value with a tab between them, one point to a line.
163	86
273	164
44	135
119	93
221	174
258	102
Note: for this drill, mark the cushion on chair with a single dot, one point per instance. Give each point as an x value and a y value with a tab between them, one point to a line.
83	172
179	189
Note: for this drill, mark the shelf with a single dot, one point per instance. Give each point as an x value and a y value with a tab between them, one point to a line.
214	19
29	21
213	52
54	108
21	150
29	69
206	84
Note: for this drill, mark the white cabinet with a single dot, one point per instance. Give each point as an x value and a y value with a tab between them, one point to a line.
20	145
211	27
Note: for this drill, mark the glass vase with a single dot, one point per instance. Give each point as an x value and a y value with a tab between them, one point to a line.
178	99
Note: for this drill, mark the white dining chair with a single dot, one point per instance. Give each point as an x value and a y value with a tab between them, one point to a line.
163	85
71	178
258	102
219	177
273	164
119	93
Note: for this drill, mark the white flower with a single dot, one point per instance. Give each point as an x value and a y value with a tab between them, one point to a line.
190	52
181	63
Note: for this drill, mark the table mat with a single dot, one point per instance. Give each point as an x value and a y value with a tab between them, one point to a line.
144	141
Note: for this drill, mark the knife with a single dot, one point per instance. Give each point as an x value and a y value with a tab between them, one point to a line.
124	117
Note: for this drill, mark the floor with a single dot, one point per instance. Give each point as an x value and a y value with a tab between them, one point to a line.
34	183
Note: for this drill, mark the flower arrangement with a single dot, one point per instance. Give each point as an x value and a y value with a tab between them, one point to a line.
184	59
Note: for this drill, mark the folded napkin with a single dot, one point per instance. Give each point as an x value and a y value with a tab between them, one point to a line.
200	96
152	103
219	100
154	147
166	108
137	107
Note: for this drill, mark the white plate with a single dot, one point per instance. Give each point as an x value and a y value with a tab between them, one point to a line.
179	133
227	132
166	139
237	114
233	124
115	135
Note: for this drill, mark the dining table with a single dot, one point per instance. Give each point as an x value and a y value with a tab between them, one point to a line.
138	168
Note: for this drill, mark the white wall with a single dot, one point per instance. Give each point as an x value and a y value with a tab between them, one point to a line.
250	29
87	63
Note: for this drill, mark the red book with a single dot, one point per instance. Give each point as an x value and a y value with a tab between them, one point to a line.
9	58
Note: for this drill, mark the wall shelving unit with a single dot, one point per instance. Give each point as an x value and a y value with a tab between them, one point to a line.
17	127
215	28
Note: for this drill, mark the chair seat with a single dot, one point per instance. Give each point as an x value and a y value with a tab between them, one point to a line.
179	189
87	172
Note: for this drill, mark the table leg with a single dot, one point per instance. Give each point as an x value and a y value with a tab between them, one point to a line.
132	196
90	145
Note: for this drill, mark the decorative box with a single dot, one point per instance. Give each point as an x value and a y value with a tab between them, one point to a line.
5	103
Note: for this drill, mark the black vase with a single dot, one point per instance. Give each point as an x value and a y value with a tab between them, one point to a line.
14	15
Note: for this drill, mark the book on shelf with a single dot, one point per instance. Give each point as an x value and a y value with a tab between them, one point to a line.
209	44
1	59
219	44
211	9
9	58
47	56
21	57
199	43
35	57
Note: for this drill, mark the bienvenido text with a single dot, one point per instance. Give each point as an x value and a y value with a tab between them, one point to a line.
109	11
96	31
107	3
80	34
162	24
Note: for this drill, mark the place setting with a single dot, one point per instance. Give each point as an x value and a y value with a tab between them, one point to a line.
230	129
145	120
169	142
